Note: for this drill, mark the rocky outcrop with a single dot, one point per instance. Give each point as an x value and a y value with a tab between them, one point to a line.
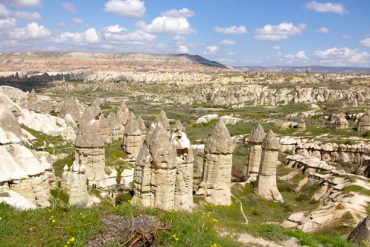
301	124
90	153
266	181
123	114
71	109
363	125
132	138
25	180
162	119
77	186
254	152
361	234
216	180
341	122
184	168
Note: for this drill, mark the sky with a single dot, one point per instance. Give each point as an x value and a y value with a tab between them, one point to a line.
233	32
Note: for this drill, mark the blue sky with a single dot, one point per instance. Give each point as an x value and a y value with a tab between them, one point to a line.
234	32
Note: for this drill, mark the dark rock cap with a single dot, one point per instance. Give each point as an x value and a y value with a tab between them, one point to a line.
257	134
270	142
219	141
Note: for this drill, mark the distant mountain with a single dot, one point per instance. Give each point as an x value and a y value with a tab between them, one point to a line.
99	61
314	69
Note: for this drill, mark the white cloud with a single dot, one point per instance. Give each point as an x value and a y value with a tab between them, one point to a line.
342	55
77	21
89	36
326	7
322	30
7	23
27	3
168	24
184	12
231	30
31	31
121	34
25	15
183	49
345	36
228	42
365	42
301	55
127	8
281	31
69	7
211	49
4	11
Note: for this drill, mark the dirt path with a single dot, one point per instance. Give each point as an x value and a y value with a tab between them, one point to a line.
241	209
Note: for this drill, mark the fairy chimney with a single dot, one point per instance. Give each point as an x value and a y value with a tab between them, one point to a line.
90	152
266	181
184	172
114	126
216	182
363	125
132	138
254	152
162	118
123	114
77	187
341	122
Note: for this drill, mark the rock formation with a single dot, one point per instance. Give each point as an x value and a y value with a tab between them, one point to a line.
132	138
71	109
341	122
77	187
184	172
114	126
25	180
266	181
216	182
254	152
105	129
363	125
162	118
361	234
301	124
123	114
155	171
90	152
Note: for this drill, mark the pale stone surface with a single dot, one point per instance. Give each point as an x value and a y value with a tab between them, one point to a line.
266	181
77	187
301	124
184	173
341	122
132	138
254	152
361	234
162	118
216	182
122	116
363	124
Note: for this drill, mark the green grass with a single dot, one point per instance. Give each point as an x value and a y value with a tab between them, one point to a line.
59	164
356	188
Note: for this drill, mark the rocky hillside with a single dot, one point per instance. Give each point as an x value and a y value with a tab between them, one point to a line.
95	61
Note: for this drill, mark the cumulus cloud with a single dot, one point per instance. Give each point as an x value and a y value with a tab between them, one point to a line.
127	8
121	34
77	21
231	30
31	31
322	30
25	15
184	12
365	42
69	7
211	49
27	3
228	42
281	31
4	11
326	7
342	55
7	23
183	49
89	36
301	55
168	24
